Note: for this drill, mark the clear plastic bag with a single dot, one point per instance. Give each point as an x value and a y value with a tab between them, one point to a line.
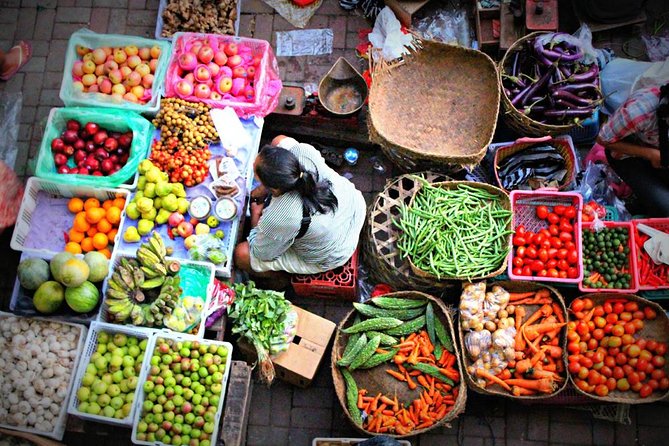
495	300
504	338
471	306
446	25
10	117
477	343
597	182
281	342
208	248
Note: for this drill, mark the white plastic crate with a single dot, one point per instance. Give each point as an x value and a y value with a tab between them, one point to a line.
90	348
20	237
179	337
61	421
103	316
160	23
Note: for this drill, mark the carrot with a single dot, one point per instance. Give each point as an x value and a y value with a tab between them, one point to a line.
394	374
425	424
538	374
543	293
533	331
422	381
518	296
444	356
589	315
386	400
428	399
381	351
544	311
373	405
405	344
389	413
534	301
441	413
552	367
412	385
429	359
450	373
399	359
424	349
558	312
543	385
553	351
413	357
411	337
487	375
450	362
400	430
431	385
415	373
521	391
360	401
504	374
519	314
367	399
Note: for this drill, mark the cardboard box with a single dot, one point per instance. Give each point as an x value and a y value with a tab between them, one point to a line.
404	10
298	365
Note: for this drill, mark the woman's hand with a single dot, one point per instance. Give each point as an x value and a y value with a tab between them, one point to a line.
259	192
256	213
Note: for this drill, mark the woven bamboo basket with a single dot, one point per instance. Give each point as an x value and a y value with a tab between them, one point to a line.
380	254
376	380
657	329
438	106
506	202
518	287
517	120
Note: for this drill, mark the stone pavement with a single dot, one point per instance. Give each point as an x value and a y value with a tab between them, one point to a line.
283	415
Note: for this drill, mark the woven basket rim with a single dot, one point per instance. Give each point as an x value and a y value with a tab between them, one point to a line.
600	297
340	387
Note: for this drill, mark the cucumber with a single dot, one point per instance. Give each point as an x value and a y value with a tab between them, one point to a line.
366	353
358	345
396	303
377	324
402	314
352	397
408	327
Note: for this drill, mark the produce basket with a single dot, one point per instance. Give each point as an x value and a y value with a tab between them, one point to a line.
90	39
453	119
586	132
632	258
380	235
160	21
518	287
506	204
90	348
376	380
524	205
114	120
197	280
320	441
563	145
179	337
657	329
644	263
44	218
61	420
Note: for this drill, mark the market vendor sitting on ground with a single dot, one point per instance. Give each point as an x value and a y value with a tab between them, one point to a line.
634	138
312	221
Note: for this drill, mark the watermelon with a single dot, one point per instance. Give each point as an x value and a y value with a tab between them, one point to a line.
32	273
82	298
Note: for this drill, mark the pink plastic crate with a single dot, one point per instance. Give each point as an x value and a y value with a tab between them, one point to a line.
524	204
661	224
634	282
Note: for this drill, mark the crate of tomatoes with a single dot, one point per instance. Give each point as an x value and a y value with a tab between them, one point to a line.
617	348
547	239
650	274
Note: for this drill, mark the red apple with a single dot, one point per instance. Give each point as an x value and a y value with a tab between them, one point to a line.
238	86
125	140
70	136
224	85
220	58
68	150
234	61
185	229
111	144
59	159
231	49
100	154
100	137
79	144
239	71
184	88
92	163
73	125
206	54
202	73
107	165
202	91
91	128
213	69
63	169
57	145
251	72
97	173
90	146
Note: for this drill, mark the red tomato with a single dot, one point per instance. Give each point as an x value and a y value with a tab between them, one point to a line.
574	367
631	307
538	238
633	378
562	274
615	341
645	354
618	372
543	255
641	365
625	316
572	257
570	212
552	263
583	386
537	266
611	383
627	339
517	271
559	209
518	261
638	314
598	334
618	307
572	336
586	362
542	273
572	273
553	218
628	369
618	330
606	371
592	344
636	387
527	271
520	230
531	252
542	212
661	349
581	328
653	384
520	252
658	361
621	359
556	242
577	304
630	328
599	321
608	327
645	391
597	356
608	308
633	361
563	265
650	313
546	244
601	390
519	240
552	272
664	383
651	344
593	377
562	254
658	374
612	318
573	347
565	226
553	229
566	236
599	311
570	245
583	373
623	385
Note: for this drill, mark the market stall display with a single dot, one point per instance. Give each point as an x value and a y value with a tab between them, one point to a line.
609	257
512	336
618	348
38	363
651	274
395	366
203	16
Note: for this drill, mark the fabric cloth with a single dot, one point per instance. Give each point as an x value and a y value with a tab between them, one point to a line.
636	117
542	162
331	238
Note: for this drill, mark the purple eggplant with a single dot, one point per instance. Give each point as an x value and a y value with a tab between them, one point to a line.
533	89
570	113
587	76
573	88
567	96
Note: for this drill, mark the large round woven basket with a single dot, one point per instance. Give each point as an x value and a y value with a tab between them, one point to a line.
379	249
517	287
438	106
376	380
657	329
517	120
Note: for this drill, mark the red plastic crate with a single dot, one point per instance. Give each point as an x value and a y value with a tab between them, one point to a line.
524	204
634	282
338	283
661	224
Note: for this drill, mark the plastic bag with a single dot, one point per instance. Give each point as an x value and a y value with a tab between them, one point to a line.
186	315
90	39
10	117
504	338
221	298
208	248
448	26
110	119
477	343
495	300
387	36
617	79
598	183
471	306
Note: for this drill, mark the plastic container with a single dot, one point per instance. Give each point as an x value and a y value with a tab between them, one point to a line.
524	204
114	120
661	224
53	213
193	276
90	348
145	373
634	284
90	39
160	24
339	283
60	422
587	131
320	441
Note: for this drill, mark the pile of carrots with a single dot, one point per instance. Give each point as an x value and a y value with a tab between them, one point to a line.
417	366
538	365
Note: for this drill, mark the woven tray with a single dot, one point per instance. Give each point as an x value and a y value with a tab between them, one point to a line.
376	380
518	287
506	202
657	329
452	119
379	250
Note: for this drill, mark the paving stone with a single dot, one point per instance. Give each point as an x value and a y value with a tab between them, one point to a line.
87	3
119	4
152	5
247	23
304	437
266	435
313	397
256	7
653	414
357	22
53	80
66	3
331	7
310	417
99	20
42	113
7	31
516	424
538	429
8	15
281	24
580	434
514	442
484	426
21	157
655	435
260	403
440	439
142	18
44	24
40	47
263	27
65	30
117	18
572	416
281	401
56	58
50	97
25	132
26	24
73	15
35	64
28	114
142	31
336	313
137	4
352	40
338	26
603	432
33	82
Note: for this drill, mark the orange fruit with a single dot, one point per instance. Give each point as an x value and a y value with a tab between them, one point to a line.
100	240
73	248
104	226
114	215
75	205
80	223
111	235
87	244
107	204
91	203
119	202
76	236
106	252
92	231
94	215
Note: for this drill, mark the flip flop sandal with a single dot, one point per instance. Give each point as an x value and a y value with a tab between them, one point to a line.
331	156
25	52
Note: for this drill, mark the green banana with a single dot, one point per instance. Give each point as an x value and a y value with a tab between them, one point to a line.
138	277
120	311
126	276
157	246
150	273
118	280
116	286
137	315
147	257
152	283
116	294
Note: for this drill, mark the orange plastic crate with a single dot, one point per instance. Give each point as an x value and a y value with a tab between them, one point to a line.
338	283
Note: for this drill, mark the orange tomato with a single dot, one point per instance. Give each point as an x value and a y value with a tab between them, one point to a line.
107	204
91	203
114	215
87	244
119	202
75	236
100	240
94	215
73	248
106	252
111	235
92	231
80	223
75	205
104	226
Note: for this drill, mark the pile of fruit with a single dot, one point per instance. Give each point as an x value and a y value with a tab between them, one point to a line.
552	251
199	16
186	130
95	225
606	258
92	149
605	355
146	289
155	201
107	388
210	68
72	281
182	393
124	73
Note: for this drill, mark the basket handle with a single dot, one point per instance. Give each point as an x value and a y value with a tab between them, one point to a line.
529	140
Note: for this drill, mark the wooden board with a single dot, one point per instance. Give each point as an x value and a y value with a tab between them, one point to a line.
509	31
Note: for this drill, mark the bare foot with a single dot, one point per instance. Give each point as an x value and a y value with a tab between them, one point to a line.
14	59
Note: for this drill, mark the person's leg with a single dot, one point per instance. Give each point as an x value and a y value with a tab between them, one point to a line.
650	185
14	59
242	260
